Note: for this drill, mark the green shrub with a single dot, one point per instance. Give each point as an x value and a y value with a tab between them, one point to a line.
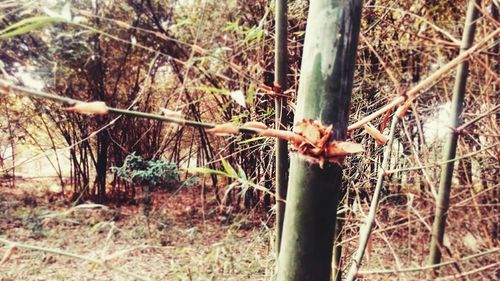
152	173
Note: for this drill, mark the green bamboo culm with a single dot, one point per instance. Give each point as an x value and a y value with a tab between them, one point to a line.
324	94
280	73
443	199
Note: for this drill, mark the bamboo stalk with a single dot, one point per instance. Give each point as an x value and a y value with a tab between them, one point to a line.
443	200
327	71
280	77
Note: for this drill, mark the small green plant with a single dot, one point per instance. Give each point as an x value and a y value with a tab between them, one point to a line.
153	173
34	223
149	174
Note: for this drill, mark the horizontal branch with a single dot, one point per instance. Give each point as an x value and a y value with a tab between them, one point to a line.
126	112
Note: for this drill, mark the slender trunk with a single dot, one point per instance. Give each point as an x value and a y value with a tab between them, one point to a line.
442	203
280	73
102	165
324	94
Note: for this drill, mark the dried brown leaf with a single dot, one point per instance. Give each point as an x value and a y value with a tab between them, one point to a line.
376	134
315	151
326	136
342	148
94	107
309	130
8	254
224	129
255	125
385	120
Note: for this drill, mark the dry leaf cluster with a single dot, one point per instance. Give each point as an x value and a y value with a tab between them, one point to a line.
318	148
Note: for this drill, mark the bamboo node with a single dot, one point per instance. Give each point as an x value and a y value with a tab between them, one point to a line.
315	144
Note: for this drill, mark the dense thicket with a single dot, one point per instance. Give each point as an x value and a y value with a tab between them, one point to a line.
192	56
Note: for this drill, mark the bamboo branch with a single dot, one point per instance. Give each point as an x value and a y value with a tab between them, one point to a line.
450	147
126	112
411	94
281	119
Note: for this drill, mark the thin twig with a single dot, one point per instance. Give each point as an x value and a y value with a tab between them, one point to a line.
442	162
479	117
384	64
366	229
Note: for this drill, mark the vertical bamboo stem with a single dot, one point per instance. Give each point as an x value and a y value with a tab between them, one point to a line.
450	147
324	94
280	78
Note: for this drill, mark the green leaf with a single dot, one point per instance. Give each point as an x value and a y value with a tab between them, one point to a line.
255	33
231	26
251	140
214	90
250	94
241	174
229	170
27	25
201	170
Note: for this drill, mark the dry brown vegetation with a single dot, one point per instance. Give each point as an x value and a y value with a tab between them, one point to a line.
190	58
183	240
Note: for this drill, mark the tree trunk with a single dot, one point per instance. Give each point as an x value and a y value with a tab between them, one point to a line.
324	94
102	165
442	203
280	72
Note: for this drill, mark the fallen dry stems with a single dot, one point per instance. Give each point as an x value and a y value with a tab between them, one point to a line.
457	276
427	267
99	262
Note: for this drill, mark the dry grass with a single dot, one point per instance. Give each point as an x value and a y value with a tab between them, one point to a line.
186	242
178	245
401	236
